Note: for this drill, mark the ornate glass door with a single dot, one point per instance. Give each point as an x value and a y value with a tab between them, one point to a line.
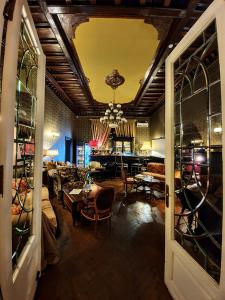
195	123
22	104
24	142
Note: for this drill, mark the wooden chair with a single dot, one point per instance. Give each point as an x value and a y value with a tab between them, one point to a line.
127	180
101	209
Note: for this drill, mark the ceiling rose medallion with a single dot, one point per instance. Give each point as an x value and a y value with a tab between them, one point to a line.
113	115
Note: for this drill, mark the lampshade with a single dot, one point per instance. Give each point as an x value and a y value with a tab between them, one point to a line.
93	143
52	152
146	146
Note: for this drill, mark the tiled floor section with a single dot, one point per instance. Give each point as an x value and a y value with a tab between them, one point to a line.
126	265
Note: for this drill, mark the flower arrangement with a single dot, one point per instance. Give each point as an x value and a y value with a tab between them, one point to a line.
83	174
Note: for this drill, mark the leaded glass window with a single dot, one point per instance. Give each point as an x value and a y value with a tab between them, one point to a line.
24	142
198	152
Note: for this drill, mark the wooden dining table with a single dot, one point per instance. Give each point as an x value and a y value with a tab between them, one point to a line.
71	201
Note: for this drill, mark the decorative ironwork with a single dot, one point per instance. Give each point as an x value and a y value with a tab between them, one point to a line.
114	79
198	152
24	142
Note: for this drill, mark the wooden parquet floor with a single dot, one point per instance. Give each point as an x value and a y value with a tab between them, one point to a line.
129	264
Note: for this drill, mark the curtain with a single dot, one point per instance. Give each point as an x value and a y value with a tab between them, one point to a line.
127	129
100	133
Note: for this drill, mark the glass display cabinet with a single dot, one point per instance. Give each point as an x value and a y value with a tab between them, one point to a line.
80	156
83	153
123	145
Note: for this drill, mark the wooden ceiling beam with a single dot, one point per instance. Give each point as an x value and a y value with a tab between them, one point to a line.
55	72
67	80
60	67
50	48
55	54
53	84
159	103
155	84
66	76
117	11
65	46
152	90
190	9
172	37
70	86
56	60
48	41
61	64
152	97
41	25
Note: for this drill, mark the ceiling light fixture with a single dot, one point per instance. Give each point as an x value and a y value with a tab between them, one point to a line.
113	115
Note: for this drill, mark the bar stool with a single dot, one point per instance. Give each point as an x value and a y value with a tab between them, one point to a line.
135	168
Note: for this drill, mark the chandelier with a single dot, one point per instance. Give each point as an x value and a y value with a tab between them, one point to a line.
114	115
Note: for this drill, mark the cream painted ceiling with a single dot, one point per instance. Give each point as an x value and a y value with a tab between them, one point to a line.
105	44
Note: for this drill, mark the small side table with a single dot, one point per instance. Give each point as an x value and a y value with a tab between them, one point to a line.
71	201
146	182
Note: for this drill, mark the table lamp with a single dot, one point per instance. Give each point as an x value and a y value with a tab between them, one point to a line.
146	147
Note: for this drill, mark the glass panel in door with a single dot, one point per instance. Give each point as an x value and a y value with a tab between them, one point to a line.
24	143
198	177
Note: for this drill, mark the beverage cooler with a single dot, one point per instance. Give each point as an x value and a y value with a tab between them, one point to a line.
83	152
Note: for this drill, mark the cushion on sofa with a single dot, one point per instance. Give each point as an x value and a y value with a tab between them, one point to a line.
94	164
44	193
47	209
158	168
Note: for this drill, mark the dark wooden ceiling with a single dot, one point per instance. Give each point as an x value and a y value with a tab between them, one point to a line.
56	20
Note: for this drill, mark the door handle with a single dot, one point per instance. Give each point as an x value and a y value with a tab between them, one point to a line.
167	195
1	180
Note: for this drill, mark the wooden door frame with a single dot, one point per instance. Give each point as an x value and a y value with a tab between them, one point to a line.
13	282
210	287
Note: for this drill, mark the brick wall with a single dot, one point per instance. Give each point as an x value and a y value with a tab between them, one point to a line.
83	130
58	118
157	123
142	135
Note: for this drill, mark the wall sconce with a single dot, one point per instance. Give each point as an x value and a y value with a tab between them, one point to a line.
217	130
197	141
53	134
51	153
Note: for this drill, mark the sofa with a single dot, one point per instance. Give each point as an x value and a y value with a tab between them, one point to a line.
157	170
47	208
26	197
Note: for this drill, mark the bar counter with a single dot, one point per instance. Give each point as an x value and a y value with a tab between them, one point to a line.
128	159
